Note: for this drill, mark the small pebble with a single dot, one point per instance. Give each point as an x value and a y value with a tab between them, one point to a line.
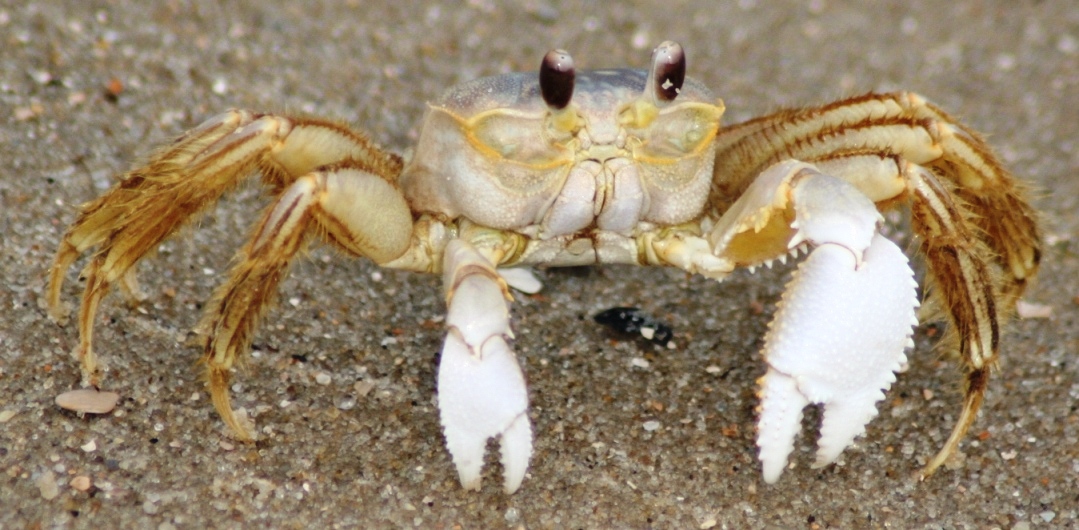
88	400
114	87
89	447
81	483
7	415
46	484
1028	310
323	378
220	86
512	515
363	388
651	425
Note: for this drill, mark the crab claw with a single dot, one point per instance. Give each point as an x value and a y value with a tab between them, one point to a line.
837	340
481	390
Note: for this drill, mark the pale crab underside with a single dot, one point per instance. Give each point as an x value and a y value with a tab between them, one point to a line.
607	166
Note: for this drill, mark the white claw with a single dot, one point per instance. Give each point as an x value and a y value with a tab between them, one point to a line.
837	339
481	390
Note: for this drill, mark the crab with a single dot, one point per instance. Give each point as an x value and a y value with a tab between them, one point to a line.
616	166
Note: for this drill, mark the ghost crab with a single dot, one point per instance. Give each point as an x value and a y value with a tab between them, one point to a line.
606	166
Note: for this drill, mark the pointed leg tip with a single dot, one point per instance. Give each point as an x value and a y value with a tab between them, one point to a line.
240	426
936	463
59	312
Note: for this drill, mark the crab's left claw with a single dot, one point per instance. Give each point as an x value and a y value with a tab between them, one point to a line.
837	339
481	390
846	317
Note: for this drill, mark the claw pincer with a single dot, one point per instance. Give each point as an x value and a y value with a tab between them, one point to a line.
481	390
843	323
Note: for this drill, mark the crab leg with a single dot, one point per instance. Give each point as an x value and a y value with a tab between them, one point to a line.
481	390
156	199
360	212
846	317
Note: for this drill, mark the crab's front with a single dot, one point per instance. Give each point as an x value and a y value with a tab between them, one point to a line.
615	166
597	167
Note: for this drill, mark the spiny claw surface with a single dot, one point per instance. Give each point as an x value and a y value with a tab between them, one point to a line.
837	339
481	390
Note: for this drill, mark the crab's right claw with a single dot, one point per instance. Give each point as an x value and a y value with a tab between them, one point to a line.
481	390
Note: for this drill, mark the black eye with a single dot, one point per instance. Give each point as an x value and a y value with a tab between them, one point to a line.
556	79
668	70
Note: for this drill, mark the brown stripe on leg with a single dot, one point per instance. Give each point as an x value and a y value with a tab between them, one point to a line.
233	315
963	286
102	218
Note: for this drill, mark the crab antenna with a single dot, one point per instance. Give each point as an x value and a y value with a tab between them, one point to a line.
556	76
668	71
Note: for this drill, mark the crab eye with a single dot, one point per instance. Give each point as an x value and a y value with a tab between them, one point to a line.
556	77
668	71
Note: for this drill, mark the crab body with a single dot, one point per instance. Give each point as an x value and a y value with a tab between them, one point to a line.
605	166
566	173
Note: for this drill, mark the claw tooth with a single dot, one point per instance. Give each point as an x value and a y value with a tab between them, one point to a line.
798	239
783	259
768	263
752	269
